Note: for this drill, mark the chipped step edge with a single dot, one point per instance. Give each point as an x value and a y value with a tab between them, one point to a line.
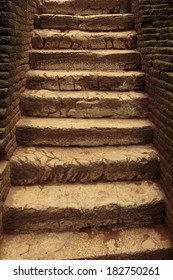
150	243
83	132
84	104
108	204
48	165
73	7
78	40
85	80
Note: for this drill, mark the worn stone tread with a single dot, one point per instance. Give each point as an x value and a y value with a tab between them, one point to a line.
145	243
36	165
117	22
85	80
75	39
104	60
83	132
84	104
84	7
65	207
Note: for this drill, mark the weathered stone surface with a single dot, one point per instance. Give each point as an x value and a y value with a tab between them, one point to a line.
150	243
84	7
79	132
106	60
85	23
31	166
85	80
84	104
54	39
65	207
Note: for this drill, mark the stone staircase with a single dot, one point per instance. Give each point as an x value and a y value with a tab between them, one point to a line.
85	172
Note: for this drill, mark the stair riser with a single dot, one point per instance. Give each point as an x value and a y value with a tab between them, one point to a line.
25	171
85	7
83	41
90	23
85	82
84	108
72	219
63	137
84	61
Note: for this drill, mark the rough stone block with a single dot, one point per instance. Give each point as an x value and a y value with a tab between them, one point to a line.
85	80
107	204
53	39
87	23
86	7
83	165
84	104
104	60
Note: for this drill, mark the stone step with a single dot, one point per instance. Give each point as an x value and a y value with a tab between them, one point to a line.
75	39
84	7
84	104
46	165
65	207
72	60
98	23
145	243
85	80
65	132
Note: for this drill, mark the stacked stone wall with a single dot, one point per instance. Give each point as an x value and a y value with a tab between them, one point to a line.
16	24
154	26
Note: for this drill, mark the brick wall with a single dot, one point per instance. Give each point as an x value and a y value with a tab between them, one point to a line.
16	23
154	25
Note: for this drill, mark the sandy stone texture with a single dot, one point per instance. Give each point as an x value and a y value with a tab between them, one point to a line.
150	243
85	23
85	80
83	133
66	165
75	39
111	60
65	207
84	7
84	104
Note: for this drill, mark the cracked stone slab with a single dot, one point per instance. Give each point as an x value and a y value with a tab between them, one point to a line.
84	7
150	243
33	165
85	80
75	39
65	207
104	60
66	132
84	104
122	22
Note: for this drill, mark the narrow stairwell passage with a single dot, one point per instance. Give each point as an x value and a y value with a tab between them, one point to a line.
85	172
